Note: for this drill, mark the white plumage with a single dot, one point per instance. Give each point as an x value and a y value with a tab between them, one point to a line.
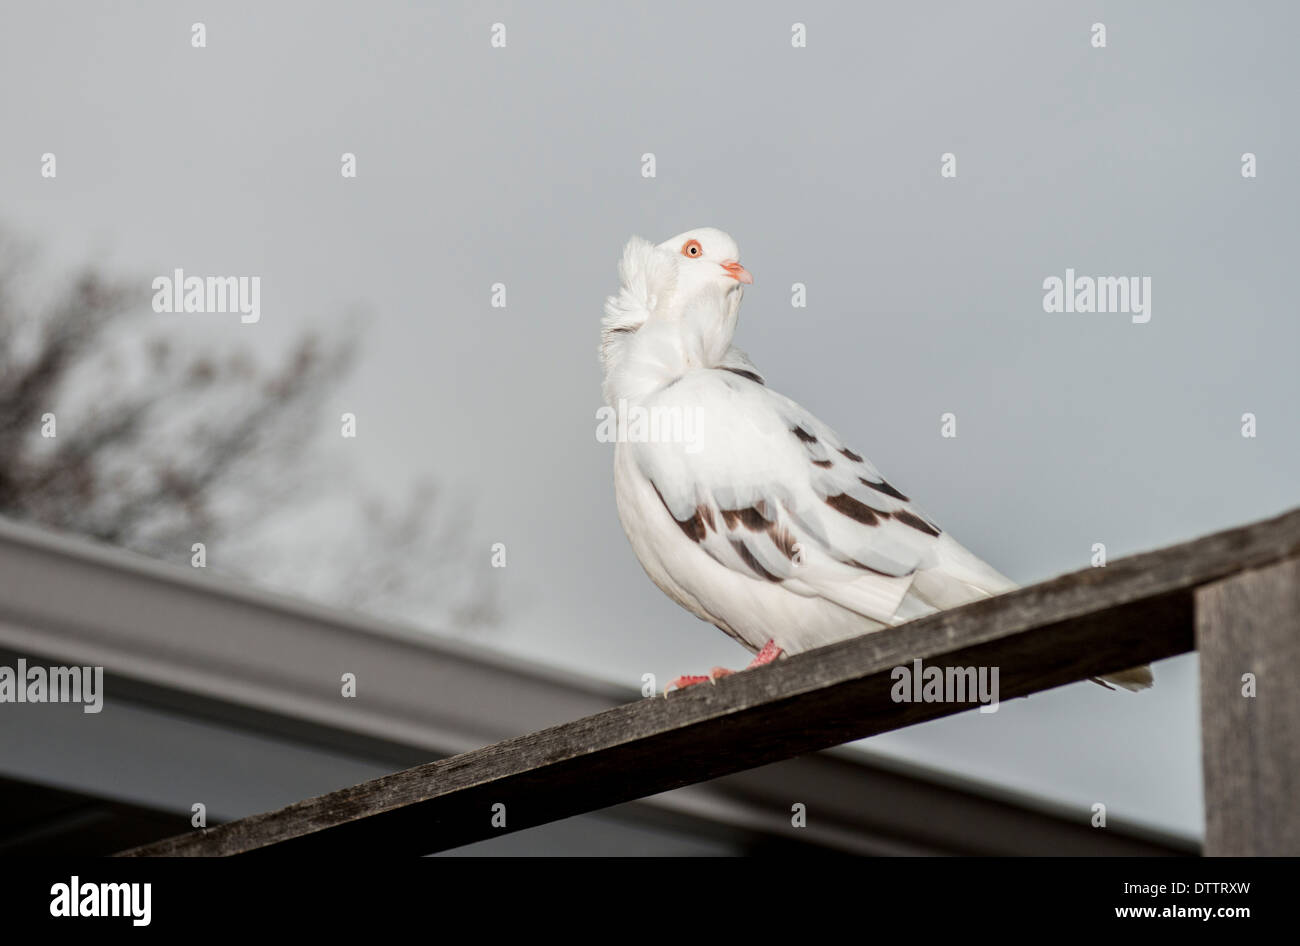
754	515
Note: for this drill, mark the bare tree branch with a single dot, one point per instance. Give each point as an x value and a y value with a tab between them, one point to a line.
206	447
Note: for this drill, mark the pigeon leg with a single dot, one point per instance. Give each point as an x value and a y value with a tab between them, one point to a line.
765	656
768	654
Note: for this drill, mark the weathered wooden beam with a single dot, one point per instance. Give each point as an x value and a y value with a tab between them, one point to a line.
1090	622
1248	635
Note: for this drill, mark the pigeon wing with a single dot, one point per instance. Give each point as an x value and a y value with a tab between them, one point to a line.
769	491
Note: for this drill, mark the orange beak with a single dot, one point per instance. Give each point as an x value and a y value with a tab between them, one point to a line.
738	272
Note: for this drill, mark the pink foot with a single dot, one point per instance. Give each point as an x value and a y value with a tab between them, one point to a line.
768	654
765	656
683	682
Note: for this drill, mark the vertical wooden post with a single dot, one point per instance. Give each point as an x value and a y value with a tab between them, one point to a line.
1250	624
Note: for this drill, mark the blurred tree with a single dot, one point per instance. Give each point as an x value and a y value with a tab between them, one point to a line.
160	442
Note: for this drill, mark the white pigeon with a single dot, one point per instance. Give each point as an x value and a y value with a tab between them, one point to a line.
742	506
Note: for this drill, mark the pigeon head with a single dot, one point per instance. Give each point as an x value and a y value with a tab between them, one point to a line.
678	302
707	258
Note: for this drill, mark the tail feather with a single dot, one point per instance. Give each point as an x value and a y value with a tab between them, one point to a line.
1134	678
957	577
962	576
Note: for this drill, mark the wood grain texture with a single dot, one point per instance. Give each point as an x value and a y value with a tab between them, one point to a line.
1094	621
1250	624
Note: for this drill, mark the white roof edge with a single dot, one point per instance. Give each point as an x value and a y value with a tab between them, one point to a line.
75	601
136	567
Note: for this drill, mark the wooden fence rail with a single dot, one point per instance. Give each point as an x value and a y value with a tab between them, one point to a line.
1234	595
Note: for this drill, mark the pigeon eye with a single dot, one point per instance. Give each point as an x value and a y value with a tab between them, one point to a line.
692	248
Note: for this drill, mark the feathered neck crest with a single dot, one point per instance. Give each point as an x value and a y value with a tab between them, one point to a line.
648	275
648	289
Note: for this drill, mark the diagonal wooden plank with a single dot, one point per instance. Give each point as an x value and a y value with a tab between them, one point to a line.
1090	622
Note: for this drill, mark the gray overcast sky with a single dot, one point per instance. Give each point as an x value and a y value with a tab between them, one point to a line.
522	165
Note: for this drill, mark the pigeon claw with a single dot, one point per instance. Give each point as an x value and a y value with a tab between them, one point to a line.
685	681
769	653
